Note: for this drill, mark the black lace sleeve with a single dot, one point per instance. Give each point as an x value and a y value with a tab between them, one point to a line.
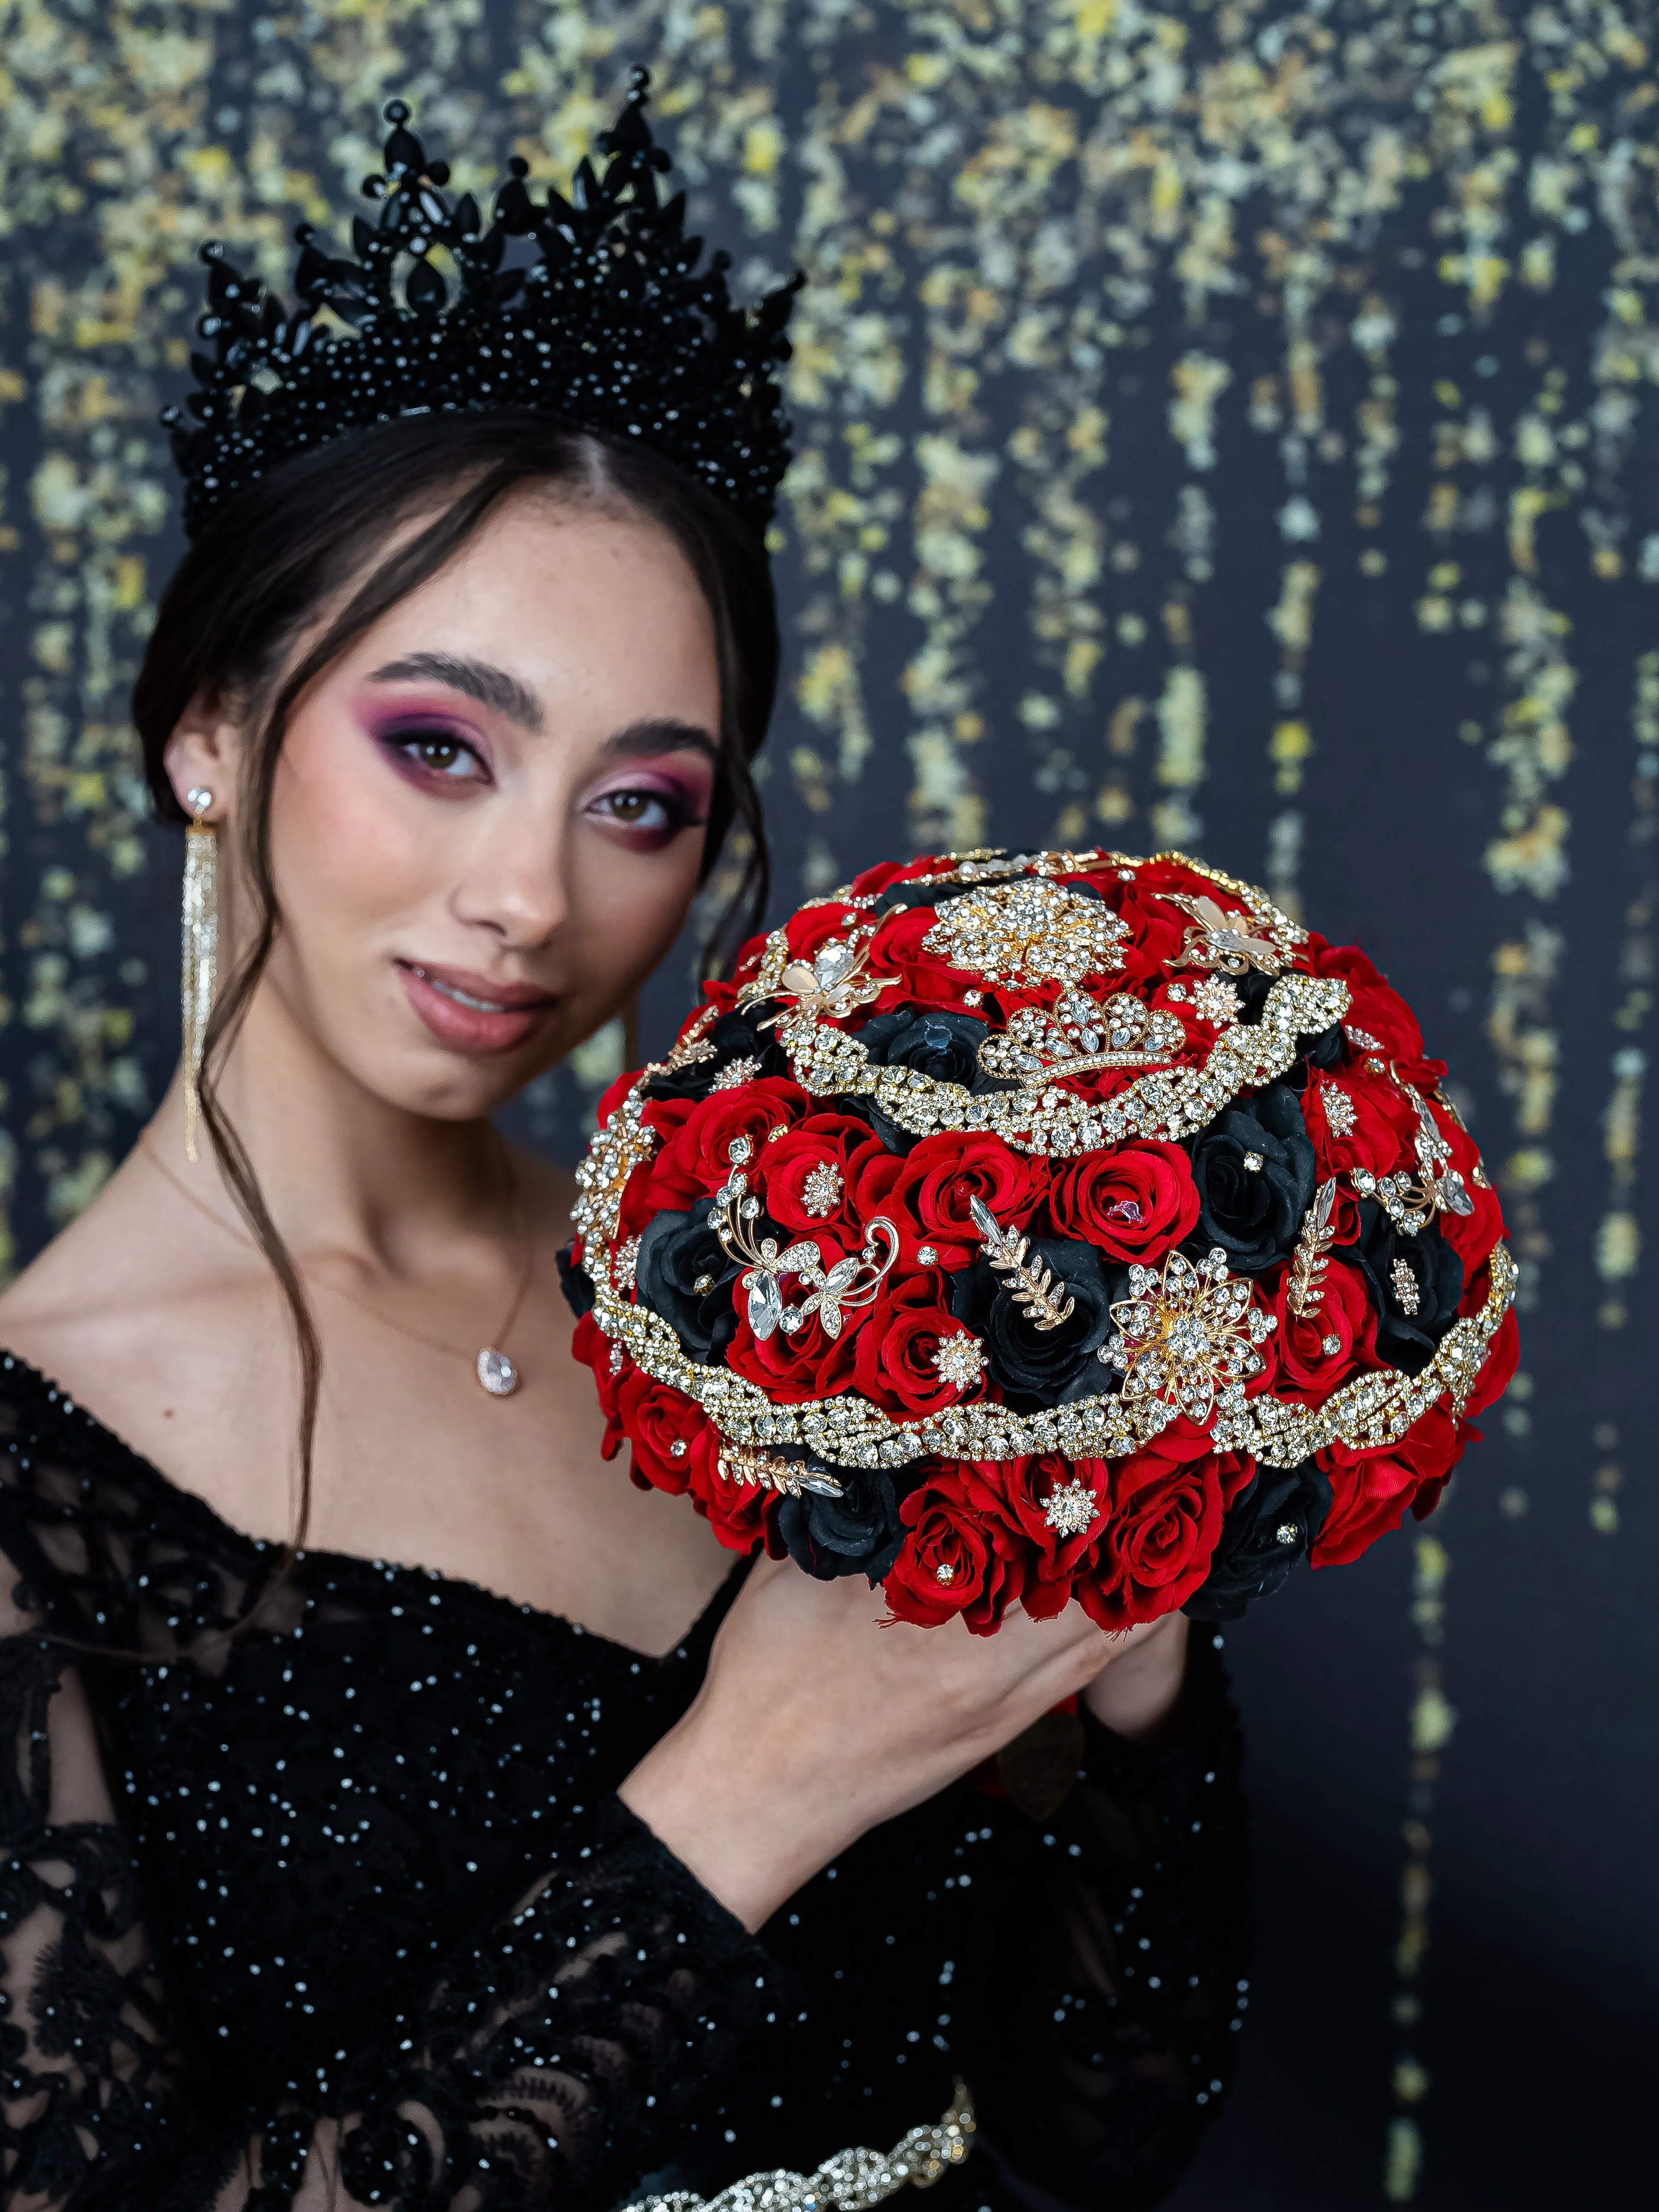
553	2060
1119	1932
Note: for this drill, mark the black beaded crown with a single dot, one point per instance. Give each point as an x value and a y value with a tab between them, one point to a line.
613	327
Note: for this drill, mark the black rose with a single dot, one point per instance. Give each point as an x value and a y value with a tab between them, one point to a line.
685	1273
573	1280
1328	1049
943	1045
857	1534
1268	1528
1255	1173
897	898
738	1039
1415	1307
1252	987
1042	1367
865	1109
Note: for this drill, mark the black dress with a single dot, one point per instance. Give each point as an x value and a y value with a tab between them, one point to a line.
360	1869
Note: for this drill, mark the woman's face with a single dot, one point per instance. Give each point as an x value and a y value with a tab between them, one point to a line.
488	817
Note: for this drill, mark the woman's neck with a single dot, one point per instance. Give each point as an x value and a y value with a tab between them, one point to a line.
339	1168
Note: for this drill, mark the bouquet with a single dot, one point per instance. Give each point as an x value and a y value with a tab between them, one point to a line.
1024	1227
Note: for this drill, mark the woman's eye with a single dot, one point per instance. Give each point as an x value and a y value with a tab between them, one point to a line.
438	753
640	810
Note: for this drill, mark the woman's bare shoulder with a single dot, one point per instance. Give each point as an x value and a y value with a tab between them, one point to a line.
111	1293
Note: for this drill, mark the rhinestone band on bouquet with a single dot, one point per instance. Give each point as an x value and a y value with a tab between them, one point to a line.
1018	1227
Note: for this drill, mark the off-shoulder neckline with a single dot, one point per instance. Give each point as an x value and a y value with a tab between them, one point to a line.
62	1407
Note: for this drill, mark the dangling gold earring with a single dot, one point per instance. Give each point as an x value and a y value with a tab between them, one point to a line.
200	932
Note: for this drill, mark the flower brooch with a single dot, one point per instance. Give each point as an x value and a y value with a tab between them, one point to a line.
1187	1336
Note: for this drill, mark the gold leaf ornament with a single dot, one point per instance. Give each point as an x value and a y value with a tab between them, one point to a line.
1307	1290
1033	1287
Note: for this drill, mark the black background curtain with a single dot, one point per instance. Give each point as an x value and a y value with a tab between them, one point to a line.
1225	427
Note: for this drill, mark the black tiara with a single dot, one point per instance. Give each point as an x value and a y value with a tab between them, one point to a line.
612	327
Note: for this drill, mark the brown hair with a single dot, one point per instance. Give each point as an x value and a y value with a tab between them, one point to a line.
286	547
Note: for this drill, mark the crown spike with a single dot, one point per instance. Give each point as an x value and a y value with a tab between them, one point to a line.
638	343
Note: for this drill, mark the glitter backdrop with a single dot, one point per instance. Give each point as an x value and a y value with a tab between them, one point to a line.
1227	426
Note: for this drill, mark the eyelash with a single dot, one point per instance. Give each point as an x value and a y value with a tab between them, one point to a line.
412	742
676	811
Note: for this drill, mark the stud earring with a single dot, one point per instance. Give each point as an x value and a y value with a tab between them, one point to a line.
200	934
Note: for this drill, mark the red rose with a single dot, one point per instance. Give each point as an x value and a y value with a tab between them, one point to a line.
1376	1010
740	1514
666	1117
655	1418
1372	1489
1158	927
1356	1119
1025	1489
1136	1200
872	881
1168	1501
641	1200
875	1175
1471	1235
1503	1355
793	1367
807	1175
929	1198
958	1558
612	1097
897	1360
697	1158
812	927
924	978
1344	1319
594	1349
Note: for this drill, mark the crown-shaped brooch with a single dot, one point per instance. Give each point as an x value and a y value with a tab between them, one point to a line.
612	327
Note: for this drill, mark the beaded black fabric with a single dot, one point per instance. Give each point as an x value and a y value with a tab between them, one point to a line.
612	327
356	1885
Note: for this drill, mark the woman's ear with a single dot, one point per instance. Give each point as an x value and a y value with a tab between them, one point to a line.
203	754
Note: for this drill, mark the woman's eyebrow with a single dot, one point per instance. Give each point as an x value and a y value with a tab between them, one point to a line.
661	734
482	680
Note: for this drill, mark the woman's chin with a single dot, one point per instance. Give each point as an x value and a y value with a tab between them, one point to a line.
418	1076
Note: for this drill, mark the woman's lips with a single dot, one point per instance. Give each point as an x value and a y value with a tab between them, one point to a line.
469	1013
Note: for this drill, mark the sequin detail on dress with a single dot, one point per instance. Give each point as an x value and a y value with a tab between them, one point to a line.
360	1885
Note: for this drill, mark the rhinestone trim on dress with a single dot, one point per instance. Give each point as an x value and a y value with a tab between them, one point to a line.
851	2181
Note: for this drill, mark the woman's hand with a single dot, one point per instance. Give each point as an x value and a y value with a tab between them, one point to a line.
1138	1692
816	1722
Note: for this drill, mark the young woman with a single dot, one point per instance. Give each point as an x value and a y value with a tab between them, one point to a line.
507	1843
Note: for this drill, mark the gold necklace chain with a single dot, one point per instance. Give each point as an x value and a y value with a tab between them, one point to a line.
497	1375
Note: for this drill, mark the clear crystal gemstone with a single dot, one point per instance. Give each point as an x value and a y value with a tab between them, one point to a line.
1453	1192
496	1372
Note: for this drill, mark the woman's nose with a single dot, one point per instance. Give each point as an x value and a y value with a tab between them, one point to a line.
515	886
